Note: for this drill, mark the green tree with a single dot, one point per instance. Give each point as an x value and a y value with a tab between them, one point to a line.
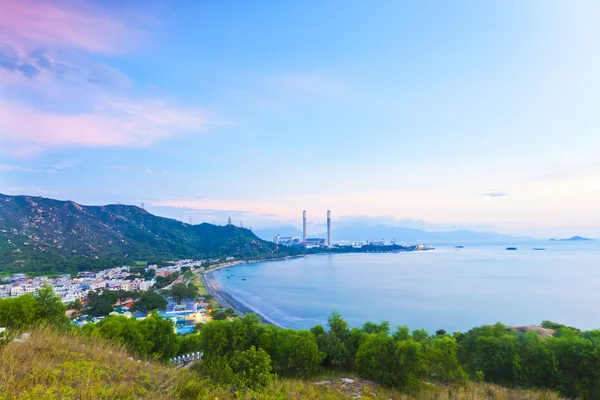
420	335
190	344
149	301
245	332
490	349
371	327
439	354
294	353
374	359
160	332
215	339
101	302
50	307
76	305
20	312
124	331
181	291
333	342
252	369
220	315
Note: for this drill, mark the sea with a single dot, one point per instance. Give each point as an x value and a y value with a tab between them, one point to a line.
448	288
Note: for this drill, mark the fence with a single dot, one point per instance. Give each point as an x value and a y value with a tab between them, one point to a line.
187	358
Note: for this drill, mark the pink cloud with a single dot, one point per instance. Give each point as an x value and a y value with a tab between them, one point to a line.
25	130
62	24
93	104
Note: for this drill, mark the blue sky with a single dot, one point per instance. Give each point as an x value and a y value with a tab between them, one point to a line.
462	114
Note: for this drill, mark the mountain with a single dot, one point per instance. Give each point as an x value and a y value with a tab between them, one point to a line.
44	235
357	231
401	234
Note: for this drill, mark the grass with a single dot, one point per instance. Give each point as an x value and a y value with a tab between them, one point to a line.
57	365
198	282
61	365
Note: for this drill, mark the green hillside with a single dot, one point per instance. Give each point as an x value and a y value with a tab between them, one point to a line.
42	235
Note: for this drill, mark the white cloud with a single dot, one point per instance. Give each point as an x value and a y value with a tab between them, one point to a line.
18	168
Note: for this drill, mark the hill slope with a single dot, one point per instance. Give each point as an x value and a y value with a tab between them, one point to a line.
38	234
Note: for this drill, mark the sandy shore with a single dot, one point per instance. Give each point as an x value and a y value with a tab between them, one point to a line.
227	300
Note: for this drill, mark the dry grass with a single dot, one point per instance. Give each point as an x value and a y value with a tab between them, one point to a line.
58	365
336	388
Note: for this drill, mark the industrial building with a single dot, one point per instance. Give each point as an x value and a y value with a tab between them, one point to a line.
306	241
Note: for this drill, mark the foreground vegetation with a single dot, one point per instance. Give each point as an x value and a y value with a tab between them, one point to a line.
58	364
244	356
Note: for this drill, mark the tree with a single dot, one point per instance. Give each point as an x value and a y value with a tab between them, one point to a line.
214	339
190	344
28	310
374	359
333	342
440	358
149	301
252	368
76	305
50	307
181	291
21	312
420	335
101	302
371	327
245	332
160	332
221	315
490	349
294	353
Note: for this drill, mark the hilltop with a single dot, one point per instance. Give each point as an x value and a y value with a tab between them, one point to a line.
45	235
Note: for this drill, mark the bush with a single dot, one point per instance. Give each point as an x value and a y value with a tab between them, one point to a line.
252	369
246	369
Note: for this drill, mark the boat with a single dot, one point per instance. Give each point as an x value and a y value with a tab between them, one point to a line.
539	248
459	247
243	279
511	248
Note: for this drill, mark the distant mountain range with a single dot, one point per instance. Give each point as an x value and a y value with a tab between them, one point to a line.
371	232
51	236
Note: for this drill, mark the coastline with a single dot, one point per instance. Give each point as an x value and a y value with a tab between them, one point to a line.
227	300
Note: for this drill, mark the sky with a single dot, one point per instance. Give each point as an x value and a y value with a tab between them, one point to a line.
463	114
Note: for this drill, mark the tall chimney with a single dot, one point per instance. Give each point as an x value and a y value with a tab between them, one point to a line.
304	226
328	228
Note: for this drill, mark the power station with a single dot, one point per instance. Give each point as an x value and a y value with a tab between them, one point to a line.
307	241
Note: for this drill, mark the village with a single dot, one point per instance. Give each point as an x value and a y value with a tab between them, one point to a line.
124	280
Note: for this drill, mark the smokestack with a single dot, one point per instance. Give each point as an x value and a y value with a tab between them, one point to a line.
328	228
304	226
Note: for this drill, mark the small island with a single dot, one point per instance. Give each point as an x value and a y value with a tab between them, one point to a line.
572	239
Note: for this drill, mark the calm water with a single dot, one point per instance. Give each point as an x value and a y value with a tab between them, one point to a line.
453	289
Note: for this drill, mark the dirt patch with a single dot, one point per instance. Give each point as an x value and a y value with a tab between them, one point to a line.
352	387
544	332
